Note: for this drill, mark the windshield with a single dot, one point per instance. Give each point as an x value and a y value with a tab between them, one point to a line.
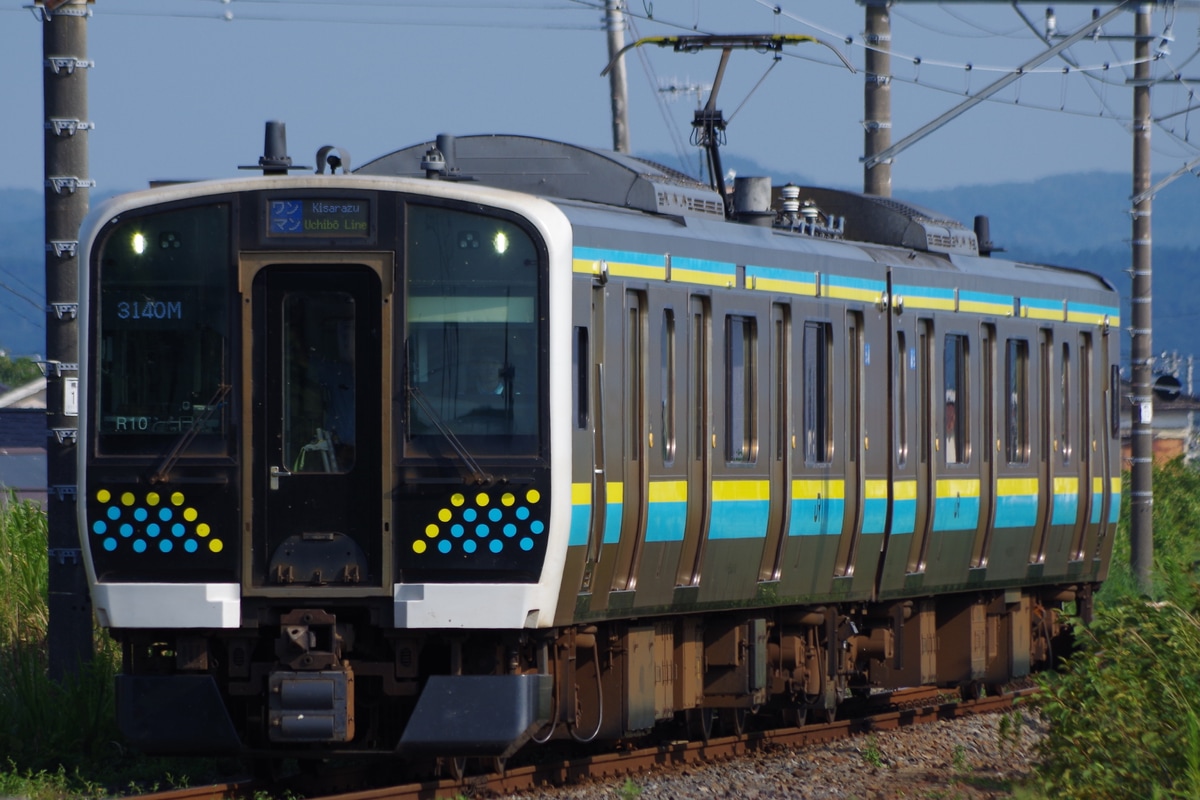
471	312
162	348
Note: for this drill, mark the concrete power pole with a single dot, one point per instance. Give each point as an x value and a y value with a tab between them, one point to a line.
877	99
64	97
614	20
1141	524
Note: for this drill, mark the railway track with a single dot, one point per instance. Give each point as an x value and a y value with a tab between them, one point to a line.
893	711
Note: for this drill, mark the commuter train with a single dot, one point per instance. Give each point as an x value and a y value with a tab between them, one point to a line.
497	441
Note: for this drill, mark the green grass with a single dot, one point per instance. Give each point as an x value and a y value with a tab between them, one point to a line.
60	739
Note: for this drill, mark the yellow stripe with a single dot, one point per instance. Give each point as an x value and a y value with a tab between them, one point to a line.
982	307
1042	313
1097	485
1009	487
935	303
586	266
1116	485
875	490
641	271
1087	317
846	293
904	490
616	492
741	490
697	276
785	287
829	489
668	491
1066	485
581	494
958	487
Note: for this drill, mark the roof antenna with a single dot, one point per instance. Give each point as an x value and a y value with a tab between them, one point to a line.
274	160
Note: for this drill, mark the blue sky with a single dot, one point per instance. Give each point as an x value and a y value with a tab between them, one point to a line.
178	91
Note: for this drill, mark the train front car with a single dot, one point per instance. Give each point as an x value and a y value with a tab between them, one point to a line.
317	506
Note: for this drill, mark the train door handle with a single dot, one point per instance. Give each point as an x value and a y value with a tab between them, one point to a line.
817	509
276	472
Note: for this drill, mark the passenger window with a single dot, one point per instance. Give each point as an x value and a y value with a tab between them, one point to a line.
740	398
1016	392
667	386
818	435
955	428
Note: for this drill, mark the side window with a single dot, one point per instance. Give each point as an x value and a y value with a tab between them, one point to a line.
955	427
818	433
1016	394
740	399
667	385
579	385
1064	418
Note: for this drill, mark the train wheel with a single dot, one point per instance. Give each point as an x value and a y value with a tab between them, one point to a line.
733	721
795	714
700	723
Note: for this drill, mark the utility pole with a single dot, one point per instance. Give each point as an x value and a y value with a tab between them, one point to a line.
614	22
64	98
1141	523
877	99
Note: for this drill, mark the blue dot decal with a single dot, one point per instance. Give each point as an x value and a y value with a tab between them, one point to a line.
140	514
495	514
469	545
191	546
127	530
496	545
99	526
110	544
177	530
522	513
114	513
139	546
527	544
456	530
152	529
536	526
510	530
444	545
469	515
165	514
481	530
165	545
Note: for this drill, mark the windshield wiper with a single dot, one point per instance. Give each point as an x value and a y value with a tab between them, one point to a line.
477	472
162	474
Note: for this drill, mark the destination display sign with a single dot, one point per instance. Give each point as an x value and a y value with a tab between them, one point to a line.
319	217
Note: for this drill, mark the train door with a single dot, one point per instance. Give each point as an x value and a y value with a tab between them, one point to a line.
317	372
1045	440
925	470
779	441
699	470
988	440
1081	445
852	491
634	435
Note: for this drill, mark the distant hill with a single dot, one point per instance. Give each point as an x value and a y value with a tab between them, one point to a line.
1078	220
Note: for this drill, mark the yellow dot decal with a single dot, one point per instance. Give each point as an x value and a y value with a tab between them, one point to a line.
445	514
431	531
457	499
203	530
533	496
190	514
418	547
482	499
215	545
127	499
177	499
508	499
152	499
104	495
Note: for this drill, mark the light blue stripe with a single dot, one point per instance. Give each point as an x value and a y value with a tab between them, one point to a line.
1016	511
817	517
955	513
665	521
1042	305
842	282
874	515
1088	308
924	291
581	523
1066	508
612	523
620	256
772	273
739	519
904	515
985	297
1114	510
1097	507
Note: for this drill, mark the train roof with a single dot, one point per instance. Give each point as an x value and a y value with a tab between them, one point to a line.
572	172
